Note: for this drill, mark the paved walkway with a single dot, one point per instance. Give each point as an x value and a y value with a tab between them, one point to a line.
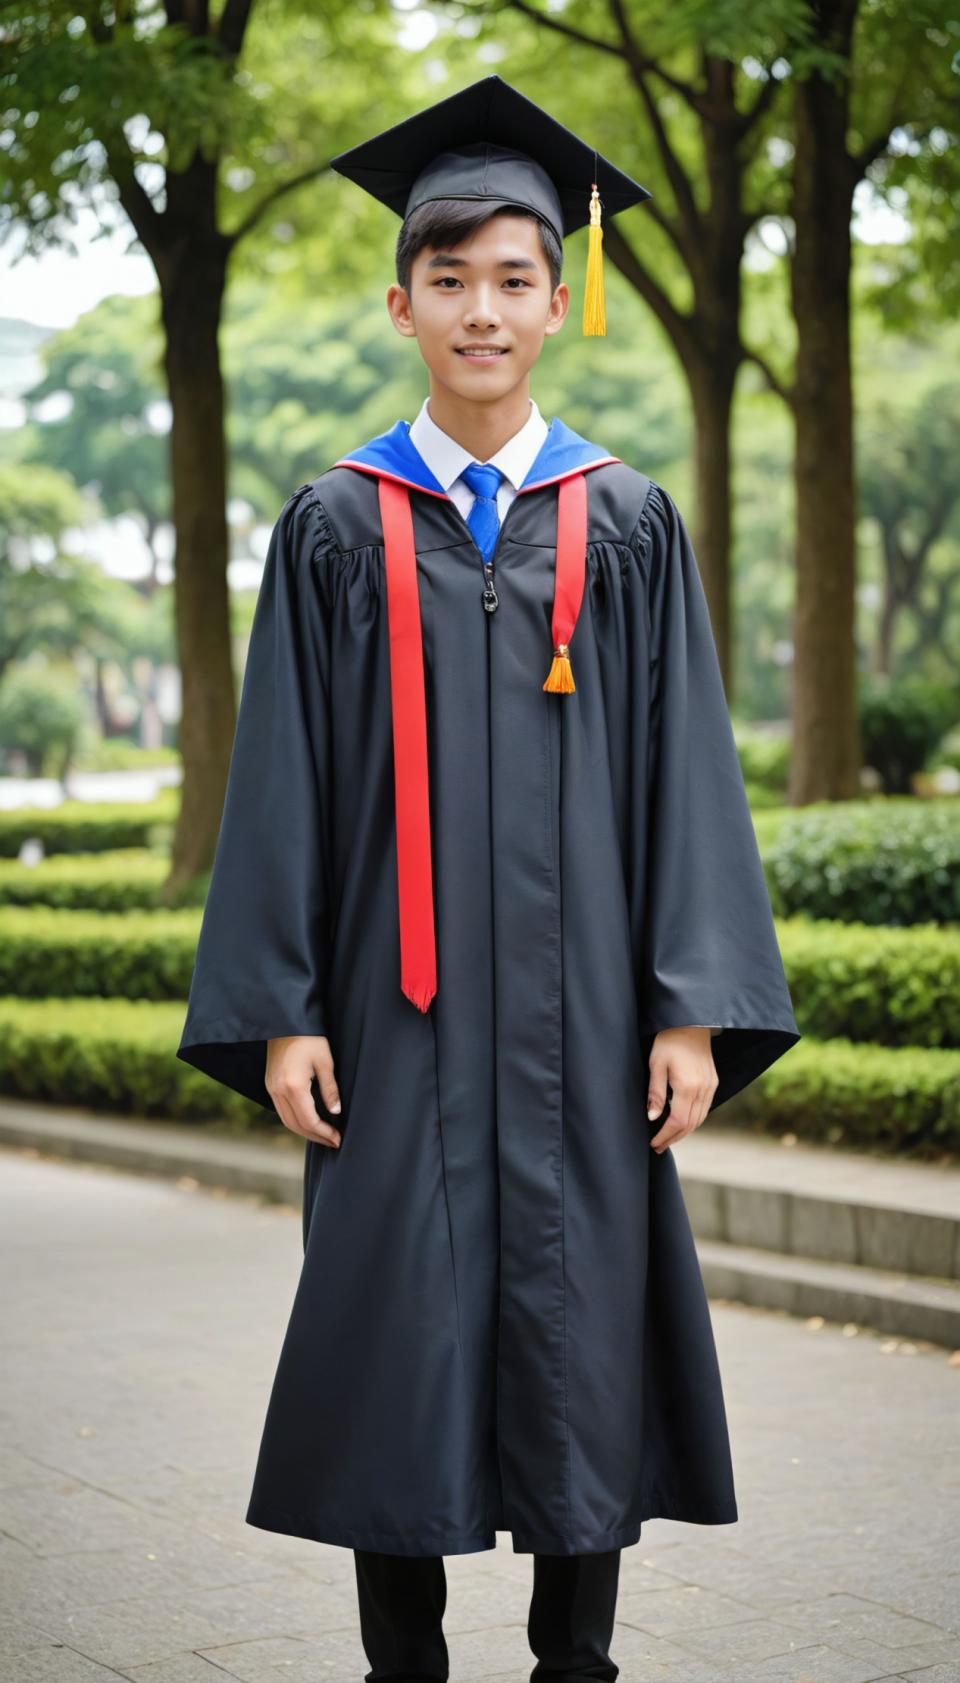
141	1321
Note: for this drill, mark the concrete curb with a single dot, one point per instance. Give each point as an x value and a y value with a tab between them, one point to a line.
270	1169
807	1229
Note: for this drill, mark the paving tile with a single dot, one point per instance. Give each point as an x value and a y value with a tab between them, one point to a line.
143	1337
18	1636
55	1665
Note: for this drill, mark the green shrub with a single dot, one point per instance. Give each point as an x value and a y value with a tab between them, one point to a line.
90	826
114	1055
125	955
902	721
892	1101
120	753
120	1056
768	823
123	879
760	798
764	760
884	860
899	987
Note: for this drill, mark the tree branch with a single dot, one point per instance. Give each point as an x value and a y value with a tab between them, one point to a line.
233	24
275	193
566	29
693	97
622	255
761	105
773	380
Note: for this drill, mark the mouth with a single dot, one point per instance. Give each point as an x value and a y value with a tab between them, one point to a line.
488	353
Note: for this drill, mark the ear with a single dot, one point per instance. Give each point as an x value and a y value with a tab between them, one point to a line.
401	311
559	305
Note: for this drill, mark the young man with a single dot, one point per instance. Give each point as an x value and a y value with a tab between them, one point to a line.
486	888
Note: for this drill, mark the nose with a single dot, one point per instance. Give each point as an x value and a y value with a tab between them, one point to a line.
481	310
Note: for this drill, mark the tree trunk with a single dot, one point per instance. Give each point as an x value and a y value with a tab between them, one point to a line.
711	386
825	762
192	290
883	647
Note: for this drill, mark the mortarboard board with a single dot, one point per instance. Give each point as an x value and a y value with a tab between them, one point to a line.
490	142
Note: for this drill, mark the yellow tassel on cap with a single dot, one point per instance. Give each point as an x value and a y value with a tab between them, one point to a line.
561	672
594	316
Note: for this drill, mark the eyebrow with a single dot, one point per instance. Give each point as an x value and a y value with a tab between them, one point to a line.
446	260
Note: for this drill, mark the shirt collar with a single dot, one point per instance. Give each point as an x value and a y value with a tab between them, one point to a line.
447	459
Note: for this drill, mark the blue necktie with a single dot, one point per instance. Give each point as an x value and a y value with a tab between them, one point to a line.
483	519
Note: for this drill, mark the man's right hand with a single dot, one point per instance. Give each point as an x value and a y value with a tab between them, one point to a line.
292	1062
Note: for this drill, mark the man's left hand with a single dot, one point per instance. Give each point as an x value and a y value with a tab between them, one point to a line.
683	1057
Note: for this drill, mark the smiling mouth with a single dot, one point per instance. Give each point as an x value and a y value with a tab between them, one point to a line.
482	356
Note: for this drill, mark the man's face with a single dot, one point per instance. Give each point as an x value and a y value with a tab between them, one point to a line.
492	290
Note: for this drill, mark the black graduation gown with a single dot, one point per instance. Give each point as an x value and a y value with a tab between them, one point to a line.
500	1323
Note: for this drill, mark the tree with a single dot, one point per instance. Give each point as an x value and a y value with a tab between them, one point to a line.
111	433
156	112
852	101
908	486
763	113
702	110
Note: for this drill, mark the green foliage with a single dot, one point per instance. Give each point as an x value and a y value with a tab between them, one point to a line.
118	955
42	715
109	427
768	823
901	723
118	753
764	759
89	827
111	1054
899	987
948	753
123	880
886	860
901	1101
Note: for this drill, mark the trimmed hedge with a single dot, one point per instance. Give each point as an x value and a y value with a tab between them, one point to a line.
124	879
120	1055
88	826
124	955
888	860
115	1055
900	1101
898	987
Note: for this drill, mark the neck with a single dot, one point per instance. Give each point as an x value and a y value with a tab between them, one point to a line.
481	428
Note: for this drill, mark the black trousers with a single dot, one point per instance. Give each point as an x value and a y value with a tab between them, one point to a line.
570	1625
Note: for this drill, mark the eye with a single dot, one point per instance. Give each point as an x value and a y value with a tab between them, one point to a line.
445	278
519	280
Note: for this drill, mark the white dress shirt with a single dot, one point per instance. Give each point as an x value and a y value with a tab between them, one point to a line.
447	459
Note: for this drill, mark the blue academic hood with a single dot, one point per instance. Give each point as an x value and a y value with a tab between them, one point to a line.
394	454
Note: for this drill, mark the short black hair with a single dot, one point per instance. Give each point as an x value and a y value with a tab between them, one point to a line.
440	223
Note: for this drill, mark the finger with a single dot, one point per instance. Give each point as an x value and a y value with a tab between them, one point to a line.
298	1101
286	1113
329	1091
657	1089
666	1136
703	1107
685	1100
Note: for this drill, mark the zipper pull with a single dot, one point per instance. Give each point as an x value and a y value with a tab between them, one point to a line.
490	599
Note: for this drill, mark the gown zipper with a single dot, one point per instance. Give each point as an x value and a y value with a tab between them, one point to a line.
488	596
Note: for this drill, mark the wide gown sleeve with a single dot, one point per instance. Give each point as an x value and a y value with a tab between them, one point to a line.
260	966
709	946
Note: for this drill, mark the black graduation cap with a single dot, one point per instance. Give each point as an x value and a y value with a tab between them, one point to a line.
490	142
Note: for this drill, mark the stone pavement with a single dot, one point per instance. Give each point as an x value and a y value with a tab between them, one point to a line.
141	1322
